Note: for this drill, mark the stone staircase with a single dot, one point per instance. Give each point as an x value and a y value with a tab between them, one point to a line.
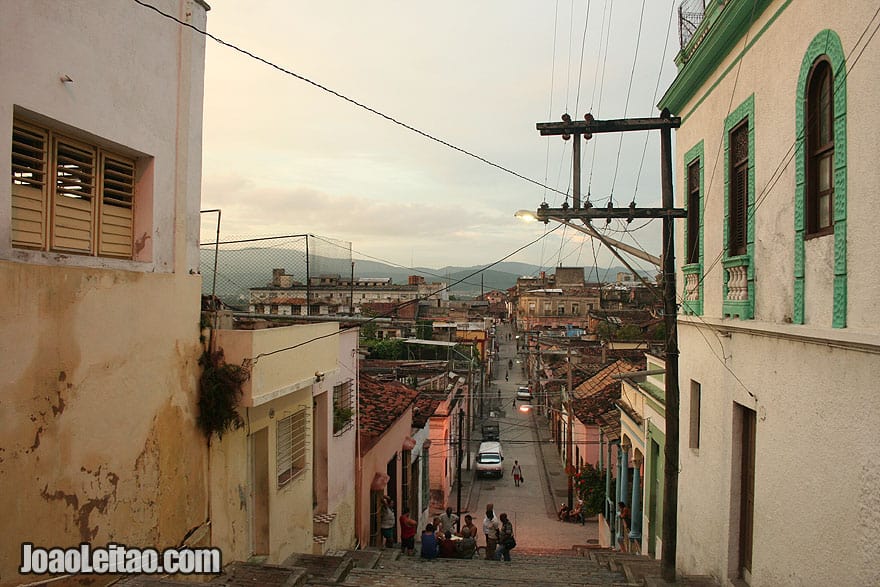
584	565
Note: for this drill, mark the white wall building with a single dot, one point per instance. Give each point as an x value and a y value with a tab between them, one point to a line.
776	161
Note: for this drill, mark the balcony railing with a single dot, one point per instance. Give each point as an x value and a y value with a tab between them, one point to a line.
690	15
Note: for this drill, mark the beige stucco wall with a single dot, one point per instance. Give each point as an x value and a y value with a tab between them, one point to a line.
817	516
280	384
137	85
290	507
775	90
273	375
98	440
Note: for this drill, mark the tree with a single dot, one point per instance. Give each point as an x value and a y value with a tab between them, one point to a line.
590	484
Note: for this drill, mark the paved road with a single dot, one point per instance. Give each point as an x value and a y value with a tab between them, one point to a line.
530	507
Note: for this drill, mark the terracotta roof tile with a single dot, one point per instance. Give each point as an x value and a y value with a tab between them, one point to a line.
381	404
424	408
598	394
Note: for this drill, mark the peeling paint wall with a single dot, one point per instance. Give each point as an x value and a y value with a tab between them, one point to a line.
98	439
98	355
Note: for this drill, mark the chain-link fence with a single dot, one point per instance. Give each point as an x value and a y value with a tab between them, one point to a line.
243	262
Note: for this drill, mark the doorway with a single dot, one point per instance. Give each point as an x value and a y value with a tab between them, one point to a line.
260	510
744	431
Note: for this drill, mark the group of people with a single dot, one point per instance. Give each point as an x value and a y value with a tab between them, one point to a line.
442	539
445	537
573	514
499	535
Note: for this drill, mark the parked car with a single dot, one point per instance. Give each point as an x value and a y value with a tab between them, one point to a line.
523	394
490	460
490	430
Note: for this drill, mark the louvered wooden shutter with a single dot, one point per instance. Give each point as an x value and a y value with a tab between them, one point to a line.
692	255
74	205
29	189
116	207
738	200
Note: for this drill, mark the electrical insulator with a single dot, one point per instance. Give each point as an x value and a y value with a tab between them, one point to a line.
589	118
566	119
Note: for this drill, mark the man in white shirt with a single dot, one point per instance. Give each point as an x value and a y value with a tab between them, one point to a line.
448	521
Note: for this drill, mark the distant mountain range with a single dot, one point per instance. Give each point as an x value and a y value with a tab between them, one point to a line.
241	269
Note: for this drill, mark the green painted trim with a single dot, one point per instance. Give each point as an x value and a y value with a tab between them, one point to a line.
826	43
695	307
654	392
719	40
657	434
743	309
654	471
659	407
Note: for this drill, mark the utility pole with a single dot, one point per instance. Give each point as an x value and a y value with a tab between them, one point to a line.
670	493
460	421
665	123
569	467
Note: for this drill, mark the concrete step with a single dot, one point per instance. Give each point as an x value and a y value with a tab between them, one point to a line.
544	567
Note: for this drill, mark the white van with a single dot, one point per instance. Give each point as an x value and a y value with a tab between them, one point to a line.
490	460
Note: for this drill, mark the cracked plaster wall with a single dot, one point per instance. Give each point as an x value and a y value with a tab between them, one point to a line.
98	439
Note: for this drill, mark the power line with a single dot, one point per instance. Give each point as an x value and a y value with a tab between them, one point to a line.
341	96
254	360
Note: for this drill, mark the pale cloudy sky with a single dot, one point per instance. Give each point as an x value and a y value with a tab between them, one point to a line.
284	157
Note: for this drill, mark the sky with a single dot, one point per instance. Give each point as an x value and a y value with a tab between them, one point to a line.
282	156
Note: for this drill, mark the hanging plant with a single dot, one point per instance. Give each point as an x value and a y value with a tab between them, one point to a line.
219	394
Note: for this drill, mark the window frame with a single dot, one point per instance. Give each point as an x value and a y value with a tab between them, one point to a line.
291	455
825	45
343	399
88	195
695	409
694	179
816	152
693	283
738	289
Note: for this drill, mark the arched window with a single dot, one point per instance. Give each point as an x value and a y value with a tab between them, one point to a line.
820	150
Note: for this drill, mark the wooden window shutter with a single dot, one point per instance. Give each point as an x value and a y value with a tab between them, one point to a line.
692	254
116	207
738	201
74	204
29	189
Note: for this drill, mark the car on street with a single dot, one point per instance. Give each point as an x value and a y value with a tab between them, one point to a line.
490	430
523	394
490	460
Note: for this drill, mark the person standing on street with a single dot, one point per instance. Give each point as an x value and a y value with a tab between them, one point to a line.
387	521
407	533
517	473
506	542
448	521
491	528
